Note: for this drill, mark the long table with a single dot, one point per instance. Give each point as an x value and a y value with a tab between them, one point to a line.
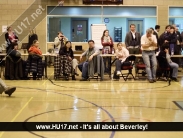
78	55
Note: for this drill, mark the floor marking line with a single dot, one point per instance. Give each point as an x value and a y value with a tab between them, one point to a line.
47	79
1	134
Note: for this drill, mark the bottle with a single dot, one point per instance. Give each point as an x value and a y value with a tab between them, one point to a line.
172	52
113	51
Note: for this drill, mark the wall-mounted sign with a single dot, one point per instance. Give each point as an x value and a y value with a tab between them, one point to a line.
4	28
106	20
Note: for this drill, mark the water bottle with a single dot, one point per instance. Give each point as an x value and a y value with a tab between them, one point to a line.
172	52
113	51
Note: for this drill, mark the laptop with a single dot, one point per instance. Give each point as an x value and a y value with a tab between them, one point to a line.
24	45
78	48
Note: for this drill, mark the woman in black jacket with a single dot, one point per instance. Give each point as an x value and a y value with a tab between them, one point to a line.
32	36
68	63
13	67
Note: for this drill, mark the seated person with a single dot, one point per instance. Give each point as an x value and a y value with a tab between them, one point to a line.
89	54
13	67
36	66
68	61
165	53
34	49
121	53
4	88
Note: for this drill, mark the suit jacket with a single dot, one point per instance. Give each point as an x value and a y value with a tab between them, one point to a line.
128	39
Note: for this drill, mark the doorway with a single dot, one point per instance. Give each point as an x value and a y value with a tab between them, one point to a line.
54	27
139	23
79	29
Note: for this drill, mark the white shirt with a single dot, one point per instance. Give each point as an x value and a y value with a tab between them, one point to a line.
133	34
124	52
145	40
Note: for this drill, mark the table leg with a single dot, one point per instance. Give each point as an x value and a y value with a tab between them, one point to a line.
46	66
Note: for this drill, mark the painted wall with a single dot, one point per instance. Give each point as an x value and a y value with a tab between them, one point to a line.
113	22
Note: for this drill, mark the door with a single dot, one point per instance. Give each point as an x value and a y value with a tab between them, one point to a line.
79	29
54	28
139	23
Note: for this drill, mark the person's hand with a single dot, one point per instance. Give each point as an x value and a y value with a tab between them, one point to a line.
166	50
150	39
81	58
119	56
90	58
166	41
70	58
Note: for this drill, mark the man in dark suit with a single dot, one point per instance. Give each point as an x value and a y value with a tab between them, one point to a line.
132	40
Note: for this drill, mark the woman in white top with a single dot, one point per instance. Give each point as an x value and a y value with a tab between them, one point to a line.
121	53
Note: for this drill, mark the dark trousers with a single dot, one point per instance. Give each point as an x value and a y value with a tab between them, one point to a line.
83	67
107	64
118	64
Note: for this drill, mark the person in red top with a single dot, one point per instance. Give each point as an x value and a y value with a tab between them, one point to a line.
34	49
107	44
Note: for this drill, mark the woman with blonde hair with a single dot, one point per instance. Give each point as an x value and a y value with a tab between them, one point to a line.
32	36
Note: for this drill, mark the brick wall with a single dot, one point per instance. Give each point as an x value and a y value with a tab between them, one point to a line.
10	10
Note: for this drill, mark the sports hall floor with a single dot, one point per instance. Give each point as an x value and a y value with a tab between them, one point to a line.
92	101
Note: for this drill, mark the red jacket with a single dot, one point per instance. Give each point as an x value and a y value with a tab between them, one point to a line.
35	50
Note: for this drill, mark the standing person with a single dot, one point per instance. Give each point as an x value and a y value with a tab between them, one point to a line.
132	40
107	44
67	61
4	88
164	36
178	44
156	31
121	54
10	37
89	54
60	40
32	36
149	44
172	41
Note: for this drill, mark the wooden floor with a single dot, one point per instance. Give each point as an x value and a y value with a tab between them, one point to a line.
94	101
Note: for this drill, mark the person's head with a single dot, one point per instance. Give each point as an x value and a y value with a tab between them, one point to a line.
14	46
149	32
172	29
167	28
152	29
157	28
68	44
60	34
165	47
176	29
105	33
132	27
32	31
119	46
9	28
91	43
35	43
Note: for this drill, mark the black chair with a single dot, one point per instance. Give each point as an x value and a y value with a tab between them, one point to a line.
127	65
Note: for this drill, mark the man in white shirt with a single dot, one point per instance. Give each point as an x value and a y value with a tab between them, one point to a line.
121	53
149	45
